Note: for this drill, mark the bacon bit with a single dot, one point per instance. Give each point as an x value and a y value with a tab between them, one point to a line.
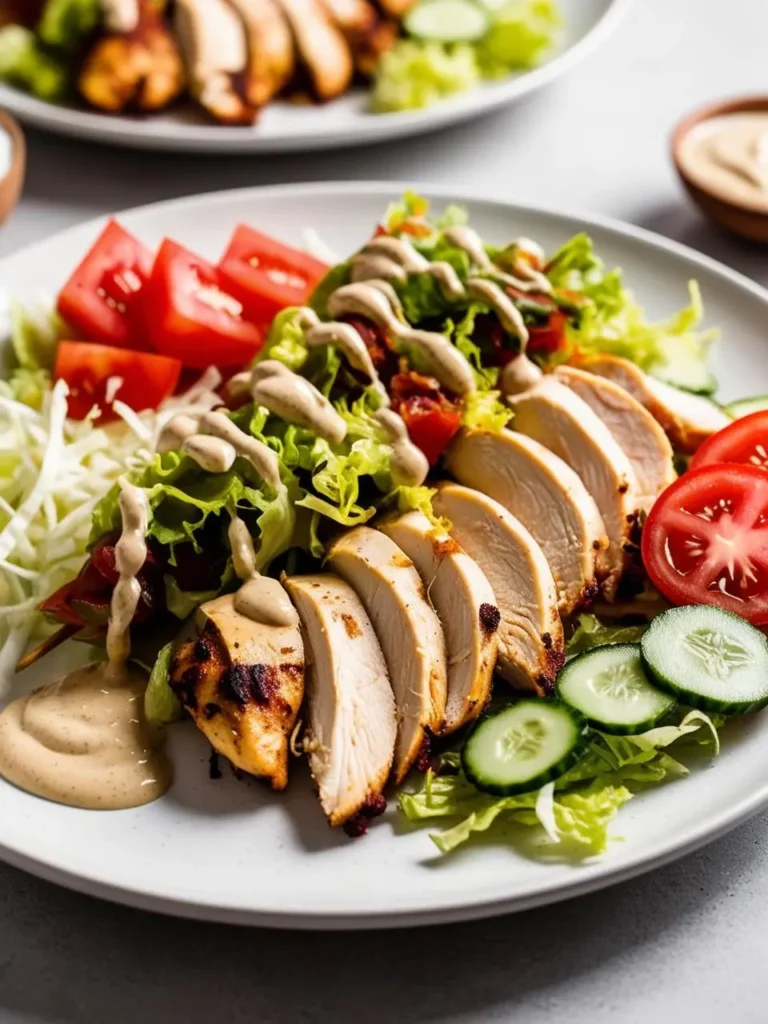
490	617
359	823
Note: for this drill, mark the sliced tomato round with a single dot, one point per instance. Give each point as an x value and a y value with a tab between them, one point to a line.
191	314
431	426
101	298
744	440
705	540
147	379
267	276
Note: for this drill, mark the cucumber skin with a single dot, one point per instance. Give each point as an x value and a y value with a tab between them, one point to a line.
695	700
745	406
556	770
611	728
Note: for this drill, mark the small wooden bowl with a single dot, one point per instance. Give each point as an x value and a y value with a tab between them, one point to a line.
12	183
741	219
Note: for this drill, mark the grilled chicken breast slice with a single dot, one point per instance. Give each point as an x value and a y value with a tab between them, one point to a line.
531	641
271	54
396	9
140	70
465	603
243	684
556	417
548	498
321	47
687	419
351	731
638	434
214	42
408	630
367	34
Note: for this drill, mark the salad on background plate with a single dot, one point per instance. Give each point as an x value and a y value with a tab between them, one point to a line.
231	58
453	521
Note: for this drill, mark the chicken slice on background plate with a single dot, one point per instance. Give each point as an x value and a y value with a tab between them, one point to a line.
687	419
638	434
271	55
408	630
351	730
531	641
463	598
214	42
368	35
556	417
243	683
396	9
548	498
136	65
322	49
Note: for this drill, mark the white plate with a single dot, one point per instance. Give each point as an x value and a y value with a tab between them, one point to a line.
284	127
231	851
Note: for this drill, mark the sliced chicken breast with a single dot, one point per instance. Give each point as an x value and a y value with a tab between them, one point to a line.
396	9
243	683
531	642
271	54
408	630
556	417
321	47
351	731
548	498
465	603
367	34
687	419
638	434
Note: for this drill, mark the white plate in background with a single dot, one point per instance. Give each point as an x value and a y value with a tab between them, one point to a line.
285	127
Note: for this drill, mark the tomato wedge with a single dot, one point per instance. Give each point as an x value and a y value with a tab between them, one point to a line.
147	378
706	540
744	440
431	426
191	314
100	298
548	338
267	276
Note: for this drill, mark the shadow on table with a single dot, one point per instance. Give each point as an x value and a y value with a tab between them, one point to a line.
71	959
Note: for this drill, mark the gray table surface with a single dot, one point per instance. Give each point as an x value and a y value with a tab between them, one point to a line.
688	942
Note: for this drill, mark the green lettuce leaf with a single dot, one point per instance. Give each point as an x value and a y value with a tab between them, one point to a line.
521	32
27	386
484	410
590	632
611	321
182	603
417	74
35	333
581	804
335	278
160	703
24	64
64	23
419	499
285	341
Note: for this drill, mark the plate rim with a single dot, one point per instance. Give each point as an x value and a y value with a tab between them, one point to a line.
223	140
459	908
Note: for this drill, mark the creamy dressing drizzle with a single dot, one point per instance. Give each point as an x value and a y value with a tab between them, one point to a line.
519	375
83	740
210	453
295	400
409	466
260	598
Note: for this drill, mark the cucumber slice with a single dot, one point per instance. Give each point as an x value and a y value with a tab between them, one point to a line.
687	375
745	406
709	658
608	685
447	21
521	746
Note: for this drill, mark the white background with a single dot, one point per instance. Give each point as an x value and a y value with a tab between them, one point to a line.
689	942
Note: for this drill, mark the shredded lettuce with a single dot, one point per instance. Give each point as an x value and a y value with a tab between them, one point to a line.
419	499
417	74
35	332
160	703
24	64
581	804
521	32
611	321
590	632
484	410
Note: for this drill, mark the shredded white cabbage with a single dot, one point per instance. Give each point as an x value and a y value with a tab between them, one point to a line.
53	472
